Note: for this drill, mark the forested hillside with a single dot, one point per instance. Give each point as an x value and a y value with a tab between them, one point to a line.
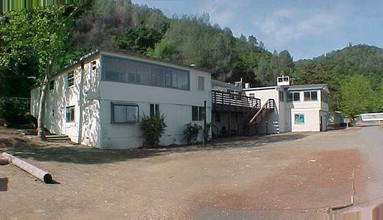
196	40
354	75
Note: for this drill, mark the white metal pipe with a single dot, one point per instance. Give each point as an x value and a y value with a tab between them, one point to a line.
34	171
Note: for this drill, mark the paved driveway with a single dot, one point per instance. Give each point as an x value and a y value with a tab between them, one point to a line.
252	178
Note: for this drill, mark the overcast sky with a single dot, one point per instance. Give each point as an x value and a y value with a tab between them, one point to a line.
306	28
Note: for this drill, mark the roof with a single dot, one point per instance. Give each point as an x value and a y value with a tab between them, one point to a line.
131	54
293	87
225	85
306	87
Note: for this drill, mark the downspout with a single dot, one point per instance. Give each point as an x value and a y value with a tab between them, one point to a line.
80	103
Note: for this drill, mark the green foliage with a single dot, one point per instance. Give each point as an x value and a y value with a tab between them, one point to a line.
153	128
12	110
40	34
139	40
191	132
357	96
336	68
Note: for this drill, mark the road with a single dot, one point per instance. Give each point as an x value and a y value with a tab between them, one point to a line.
271	177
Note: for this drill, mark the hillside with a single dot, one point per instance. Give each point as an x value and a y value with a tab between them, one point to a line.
337	68
196	40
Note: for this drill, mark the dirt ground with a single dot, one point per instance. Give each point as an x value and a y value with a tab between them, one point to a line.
269	177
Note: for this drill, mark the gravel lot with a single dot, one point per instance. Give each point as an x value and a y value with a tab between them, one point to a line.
270	177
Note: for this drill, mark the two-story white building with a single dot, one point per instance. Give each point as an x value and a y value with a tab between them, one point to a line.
100	100
295	107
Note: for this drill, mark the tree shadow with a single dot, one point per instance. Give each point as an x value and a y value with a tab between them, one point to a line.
79	154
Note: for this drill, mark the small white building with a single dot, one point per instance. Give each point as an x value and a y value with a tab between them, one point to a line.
295	108
99	100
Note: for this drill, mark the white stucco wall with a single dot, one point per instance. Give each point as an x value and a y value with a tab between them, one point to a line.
271	125
175	104
282	120
62	96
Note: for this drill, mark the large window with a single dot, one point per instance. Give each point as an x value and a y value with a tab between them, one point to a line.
325	97
299	119
293	96
70	78
124	113
311	96
197	113
69	113
130	71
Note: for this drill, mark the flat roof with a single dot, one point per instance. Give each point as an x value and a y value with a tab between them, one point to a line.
291	87
131	54
225	85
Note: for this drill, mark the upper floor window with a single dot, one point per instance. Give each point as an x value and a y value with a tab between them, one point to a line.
94	65
130	71
325	97
52	85
201	83
311	95
293	96
70	78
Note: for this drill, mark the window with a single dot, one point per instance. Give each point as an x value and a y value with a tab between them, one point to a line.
201	83
130	71
94	65
281	97
154	109
324	97
311	96
197	113
52	85
69	114
124	113
299	119
293	96
70	78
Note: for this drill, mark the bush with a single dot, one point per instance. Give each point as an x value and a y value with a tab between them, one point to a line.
12	111
153	128
191	133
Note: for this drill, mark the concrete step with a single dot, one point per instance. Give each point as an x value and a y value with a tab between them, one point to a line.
58	138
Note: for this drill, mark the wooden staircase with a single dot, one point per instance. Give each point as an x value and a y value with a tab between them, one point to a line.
255	116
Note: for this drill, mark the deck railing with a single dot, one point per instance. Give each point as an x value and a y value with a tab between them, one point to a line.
239	100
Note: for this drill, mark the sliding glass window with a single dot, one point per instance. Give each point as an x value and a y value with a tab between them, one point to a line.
124	70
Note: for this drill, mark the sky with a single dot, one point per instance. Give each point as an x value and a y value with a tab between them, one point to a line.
306	28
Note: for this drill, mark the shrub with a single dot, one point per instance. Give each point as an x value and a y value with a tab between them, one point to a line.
12	111
153	128
191	133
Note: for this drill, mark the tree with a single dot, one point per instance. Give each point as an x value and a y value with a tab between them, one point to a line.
356	96
41	33
138	40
